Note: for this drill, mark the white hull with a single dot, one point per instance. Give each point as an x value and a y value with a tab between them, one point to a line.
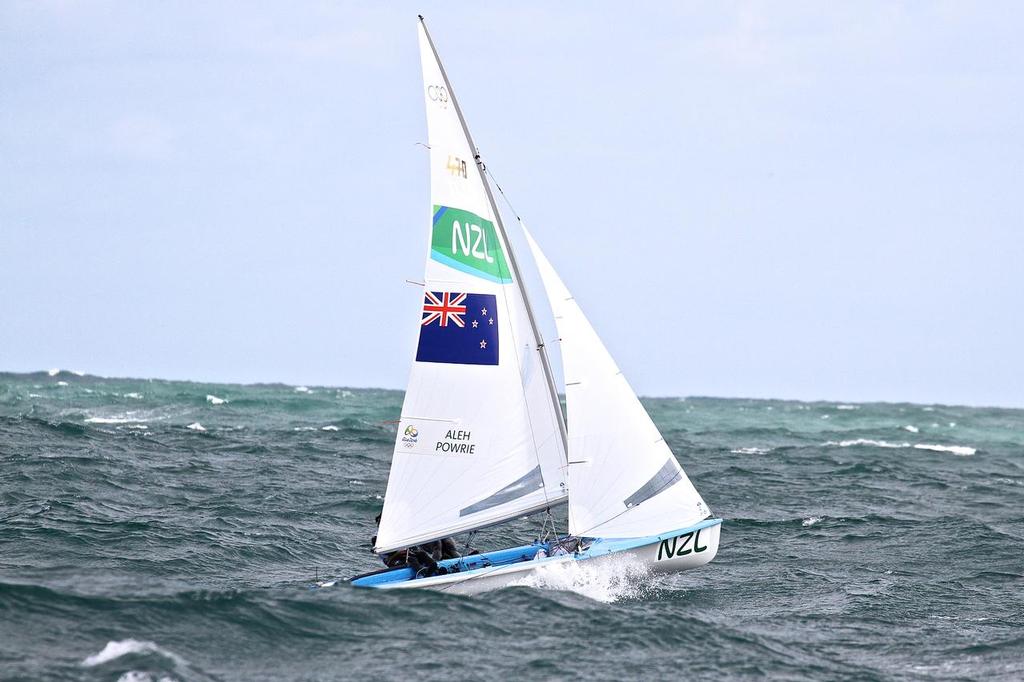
668	553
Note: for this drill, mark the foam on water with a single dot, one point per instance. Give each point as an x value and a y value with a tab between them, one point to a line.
962	450
810	521
751	451
608	580
125	419
138	676
123	647
911	428
329	427
867	441
196	426
214	400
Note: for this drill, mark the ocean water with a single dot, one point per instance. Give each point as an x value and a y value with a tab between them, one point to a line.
158	530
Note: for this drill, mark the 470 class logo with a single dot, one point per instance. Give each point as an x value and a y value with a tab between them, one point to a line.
679	545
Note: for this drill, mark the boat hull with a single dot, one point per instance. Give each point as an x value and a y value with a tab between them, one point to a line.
670	552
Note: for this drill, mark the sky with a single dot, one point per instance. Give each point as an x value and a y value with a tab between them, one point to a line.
749	199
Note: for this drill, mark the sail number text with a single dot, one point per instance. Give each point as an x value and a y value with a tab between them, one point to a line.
680	545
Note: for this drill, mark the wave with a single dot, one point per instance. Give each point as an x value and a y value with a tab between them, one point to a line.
115	420
962	450
115	650
214	400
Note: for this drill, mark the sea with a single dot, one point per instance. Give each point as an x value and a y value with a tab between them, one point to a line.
153	531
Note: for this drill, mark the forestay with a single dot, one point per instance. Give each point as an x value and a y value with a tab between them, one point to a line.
479	439
623	479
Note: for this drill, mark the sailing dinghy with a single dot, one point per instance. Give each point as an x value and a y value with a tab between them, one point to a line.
482	439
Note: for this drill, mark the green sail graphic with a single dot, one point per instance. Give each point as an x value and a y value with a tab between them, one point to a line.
468	243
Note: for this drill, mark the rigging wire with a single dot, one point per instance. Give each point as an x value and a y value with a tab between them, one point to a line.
541	345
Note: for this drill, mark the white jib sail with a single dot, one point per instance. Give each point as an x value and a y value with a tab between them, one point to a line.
623	479
479	440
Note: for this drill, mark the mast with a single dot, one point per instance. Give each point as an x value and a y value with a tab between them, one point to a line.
545	362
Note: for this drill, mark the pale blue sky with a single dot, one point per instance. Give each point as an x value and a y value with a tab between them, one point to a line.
794	200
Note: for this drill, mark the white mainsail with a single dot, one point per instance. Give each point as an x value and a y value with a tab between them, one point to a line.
481	438
623	479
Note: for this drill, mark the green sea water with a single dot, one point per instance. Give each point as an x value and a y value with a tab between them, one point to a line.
157	530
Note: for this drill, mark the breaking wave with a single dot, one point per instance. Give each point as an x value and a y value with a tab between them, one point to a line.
123	647
962	450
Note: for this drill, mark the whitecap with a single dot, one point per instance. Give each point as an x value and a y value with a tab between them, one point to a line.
123	647
847	407
952	425
138	676
824	416
811	520
134	426
962	450
62	383
345	394
302	389
867	441
34	395
126	419
304	428
911	428
196	426
751	451
928	409
53	372
133	396
214	400
329	427
77	373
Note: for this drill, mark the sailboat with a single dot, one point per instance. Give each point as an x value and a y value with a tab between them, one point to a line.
482	439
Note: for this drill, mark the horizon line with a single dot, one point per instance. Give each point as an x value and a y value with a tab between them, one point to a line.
57	372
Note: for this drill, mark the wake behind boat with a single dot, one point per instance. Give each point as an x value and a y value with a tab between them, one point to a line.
482	439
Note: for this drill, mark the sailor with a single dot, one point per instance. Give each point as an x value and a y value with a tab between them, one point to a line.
423	564
441	549
422	559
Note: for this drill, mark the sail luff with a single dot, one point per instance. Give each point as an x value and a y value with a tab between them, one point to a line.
545	362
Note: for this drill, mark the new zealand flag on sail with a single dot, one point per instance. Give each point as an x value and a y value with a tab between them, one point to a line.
458	328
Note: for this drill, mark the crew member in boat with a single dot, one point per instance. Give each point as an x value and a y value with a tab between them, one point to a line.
422	559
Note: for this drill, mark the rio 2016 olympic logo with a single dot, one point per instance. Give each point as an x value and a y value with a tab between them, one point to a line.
439	94
410	437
